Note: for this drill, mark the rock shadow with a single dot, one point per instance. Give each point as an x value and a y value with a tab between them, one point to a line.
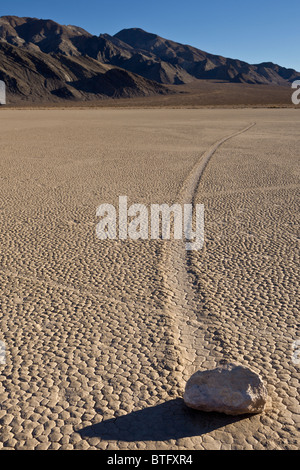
169	420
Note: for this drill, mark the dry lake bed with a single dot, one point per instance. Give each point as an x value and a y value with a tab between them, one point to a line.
100	336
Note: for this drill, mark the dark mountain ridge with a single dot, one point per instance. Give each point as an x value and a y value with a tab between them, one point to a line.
41	59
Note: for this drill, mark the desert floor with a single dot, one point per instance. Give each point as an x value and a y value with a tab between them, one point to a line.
101	336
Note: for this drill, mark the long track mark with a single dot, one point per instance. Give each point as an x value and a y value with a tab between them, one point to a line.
190	331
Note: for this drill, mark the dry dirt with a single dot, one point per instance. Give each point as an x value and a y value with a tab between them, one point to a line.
101	336
200	93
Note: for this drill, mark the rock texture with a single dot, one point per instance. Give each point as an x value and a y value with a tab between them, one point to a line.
231	389
36	76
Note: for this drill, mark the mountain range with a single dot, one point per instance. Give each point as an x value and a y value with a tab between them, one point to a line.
41	60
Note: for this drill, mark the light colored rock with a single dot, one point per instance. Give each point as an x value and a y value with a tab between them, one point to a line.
231	389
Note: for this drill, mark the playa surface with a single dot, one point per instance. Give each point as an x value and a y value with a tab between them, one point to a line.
101	336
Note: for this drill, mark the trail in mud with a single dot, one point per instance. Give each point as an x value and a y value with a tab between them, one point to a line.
184	304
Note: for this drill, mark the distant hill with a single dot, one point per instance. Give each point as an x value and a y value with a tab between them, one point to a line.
202	65
43	60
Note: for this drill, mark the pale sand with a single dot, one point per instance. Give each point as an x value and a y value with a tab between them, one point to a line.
99	330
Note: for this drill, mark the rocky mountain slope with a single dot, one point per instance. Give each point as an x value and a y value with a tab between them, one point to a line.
201	65
43	60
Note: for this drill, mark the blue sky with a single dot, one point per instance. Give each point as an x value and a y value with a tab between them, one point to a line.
254	31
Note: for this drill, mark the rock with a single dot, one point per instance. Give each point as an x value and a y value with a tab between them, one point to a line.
231	389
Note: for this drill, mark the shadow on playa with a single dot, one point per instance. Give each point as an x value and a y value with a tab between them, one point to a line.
169	420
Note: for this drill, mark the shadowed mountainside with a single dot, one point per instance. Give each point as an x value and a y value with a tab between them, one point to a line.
43	60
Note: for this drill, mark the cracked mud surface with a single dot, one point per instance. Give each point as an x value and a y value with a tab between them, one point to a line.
101	336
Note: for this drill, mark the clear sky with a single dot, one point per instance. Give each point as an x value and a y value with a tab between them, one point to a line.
254	30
